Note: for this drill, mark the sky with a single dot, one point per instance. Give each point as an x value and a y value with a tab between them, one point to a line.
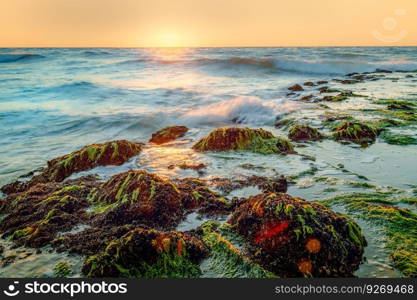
207	23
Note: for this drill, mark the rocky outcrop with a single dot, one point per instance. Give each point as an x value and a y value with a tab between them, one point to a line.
355	132
89	157
302	132
292	237
34	217
168	134
148	253
296	88
237	138
138	197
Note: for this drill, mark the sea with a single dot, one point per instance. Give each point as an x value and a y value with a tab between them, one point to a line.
56	100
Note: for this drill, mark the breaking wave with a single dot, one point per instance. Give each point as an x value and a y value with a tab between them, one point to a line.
239	110
14	57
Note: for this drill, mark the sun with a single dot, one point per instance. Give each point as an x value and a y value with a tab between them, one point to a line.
169	39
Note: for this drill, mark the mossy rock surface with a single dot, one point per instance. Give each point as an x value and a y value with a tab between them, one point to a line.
302	132
168	134
110	153
148	253
292	237
356	132
34	217
196	196
225	259
399	224
138	197
239	138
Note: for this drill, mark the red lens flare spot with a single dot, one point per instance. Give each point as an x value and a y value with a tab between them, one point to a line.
270	230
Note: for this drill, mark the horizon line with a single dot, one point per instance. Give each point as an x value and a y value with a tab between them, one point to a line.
138	47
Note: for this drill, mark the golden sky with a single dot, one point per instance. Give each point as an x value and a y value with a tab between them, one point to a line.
207	23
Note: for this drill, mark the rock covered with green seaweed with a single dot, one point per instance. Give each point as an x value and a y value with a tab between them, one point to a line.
237	138
292	237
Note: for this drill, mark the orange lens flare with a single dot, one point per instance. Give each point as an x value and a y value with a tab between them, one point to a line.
313	245
270	230
305	267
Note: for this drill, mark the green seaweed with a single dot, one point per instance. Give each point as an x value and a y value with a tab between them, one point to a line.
398	139
62	269
225	259
399	224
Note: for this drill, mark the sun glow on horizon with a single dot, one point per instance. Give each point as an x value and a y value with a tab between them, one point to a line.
207	23
168	39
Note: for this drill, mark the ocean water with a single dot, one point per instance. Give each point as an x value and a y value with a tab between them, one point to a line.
54	101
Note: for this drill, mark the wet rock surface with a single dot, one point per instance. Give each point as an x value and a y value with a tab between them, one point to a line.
296	88
168	134
237	138
148	253
89	157
355	132
292	237
303	132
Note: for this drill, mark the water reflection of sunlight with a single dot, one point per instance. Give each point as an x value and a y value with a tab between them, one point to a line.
158	159
169	54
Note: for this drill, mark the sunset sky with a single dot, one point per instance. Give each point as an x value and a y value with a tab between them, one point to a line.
207	23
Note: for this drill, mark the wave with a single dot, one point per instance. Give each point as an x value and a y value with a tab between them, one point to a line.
319	67
14	57
132	61
239	110
95	52
342	67
73	86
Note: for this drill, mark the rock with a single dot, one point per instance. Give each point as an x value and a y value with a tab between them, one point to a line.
225	259
308	83
302	132
89	157
168	134
352	74
142	198
320	82
91	240
148	253
34	217
296	88
265	184
138	197
355	132
330	117
338	98
292	237
382	71
237	138
185	166
347	81
197	196
326	89
305	98
284	123
399	106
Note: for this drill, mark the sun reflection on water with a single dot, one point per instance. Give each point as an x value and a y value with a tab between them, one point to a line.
164	159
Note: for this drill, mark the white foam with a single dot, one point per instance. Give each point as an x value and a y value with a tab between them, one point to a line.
242	109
